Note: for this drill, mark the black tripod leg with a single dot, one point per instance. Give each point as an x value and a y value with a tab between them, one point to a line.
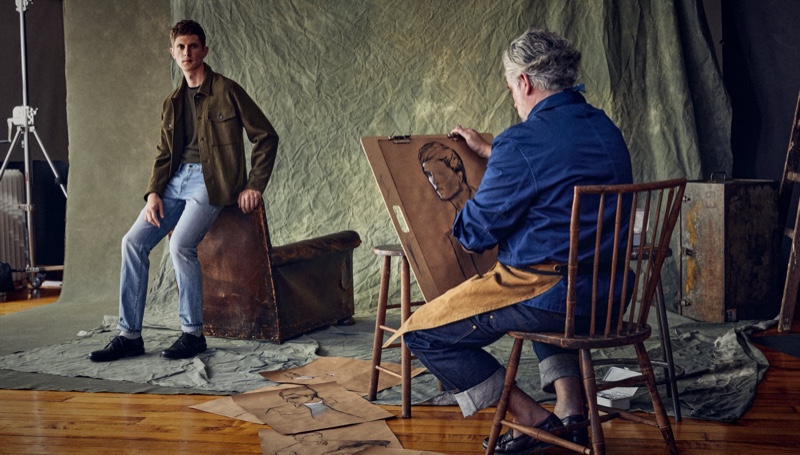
59	182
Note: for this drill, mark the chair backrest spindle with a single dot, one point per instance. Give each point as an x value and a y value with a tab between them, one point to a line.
603	249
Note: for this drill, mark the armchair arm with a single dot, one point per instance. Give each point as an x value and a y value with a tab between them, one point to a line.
311	248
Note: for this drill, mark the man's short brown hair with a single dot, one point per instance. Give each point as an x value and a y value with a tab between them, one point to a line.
187	27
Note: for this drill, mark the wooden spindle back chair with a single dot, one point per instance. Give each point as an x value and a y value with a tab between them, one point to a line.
613	324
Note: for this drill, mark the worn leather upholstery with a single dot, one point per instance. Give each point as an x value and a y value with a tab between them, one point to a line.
253	290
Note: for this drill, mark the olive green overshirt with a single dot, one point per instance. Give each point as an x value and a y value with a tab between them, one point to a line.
223	110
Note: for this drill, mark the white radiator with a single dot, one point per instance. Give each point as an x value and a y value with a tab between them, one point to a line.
12	221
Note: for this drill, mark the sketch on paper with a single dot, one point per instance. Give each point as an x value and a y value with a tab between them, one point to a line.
303	403
306	408
336	441
315	443
445	171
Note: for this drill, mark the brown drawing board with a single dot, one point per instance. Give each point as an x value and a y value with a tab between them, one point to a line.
424	181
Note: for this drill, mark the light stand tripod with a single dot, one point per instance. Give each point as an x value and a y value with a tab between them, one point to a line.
22	119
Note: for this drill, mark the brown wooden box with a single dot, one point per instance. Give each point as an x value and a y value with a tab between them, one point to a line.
253	290
729	245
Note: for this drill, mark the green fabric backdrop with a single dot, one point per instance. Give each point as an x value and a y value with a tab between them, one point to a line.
327	73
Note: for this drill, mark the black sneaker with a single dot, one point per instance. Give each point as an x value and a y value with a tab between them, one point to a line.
118	348
186	346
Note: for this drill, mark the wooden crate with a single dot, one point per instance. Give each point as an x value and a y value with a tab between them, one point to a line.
729	251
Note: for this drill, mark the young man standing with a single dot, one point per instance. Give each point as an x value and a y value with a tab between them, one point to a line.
200	167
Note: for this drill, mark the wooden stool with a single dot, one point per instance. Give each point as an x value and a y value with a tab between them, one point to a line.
389	251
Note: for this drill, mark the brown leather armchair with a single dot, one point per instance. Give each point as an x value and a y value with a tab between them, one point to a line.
253	290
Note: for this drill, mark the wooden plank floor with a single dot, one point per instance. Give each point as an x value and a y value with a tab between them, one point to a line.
43	422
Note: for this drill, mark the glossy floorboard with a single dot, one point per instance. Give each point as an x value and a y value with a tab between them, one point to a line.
40	422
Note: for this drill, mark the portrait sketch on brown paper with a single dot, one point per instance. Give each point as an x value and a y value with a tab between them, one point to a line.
309	407
425	181
347	440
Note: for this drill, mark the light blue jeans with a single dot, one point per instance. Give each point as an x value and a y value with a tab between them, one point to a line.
188	215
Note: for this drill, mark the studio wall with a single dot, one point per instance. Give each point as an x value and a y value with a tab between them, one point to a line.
118	72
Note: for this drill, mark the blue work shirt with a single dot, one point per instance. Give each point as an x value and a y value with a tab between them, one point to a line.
524	202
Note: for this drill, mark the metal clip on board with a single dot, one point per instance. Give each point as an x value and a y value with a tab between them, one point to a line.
400	139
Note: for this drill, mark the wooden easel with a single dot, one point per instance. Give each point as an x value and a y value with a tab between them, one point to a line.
790	177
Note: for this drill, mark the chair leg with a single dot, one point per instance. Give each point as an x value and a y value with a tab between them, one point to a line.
405	353
666	350
380	321
502	404
658	407
590	387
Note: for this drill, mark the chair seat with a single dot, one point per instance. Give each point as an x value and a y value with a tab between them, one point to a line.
584	341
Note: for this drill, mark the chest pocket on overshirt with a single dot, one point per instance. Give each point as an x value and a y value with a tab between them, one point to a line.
224	127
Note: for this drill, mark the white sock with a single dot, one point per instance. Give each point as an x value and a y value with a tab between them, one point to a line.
130	335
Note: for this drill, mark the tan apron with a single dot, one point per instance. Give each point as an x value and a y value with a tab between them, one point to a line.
500	287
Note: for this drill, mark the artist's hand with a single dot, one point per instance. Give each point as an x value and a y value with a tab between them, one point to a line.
474	141
154	210
249	200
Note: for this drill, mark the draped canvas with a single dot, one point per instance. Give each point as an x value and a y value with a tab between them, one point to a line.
328	73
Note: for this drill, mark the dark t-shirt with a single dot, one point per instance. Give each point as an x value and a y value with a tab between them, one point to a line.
191	152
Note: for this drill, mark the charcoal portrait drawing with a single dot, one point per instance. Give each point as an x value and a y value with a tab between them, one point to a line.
315	443
445	172
303	403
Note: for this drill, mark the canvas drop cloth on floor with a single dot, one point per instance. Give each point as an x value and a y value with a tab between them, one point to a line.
722	367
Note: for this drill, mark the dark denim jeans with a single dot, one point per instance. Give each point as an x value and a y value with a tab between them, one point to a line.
454	352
